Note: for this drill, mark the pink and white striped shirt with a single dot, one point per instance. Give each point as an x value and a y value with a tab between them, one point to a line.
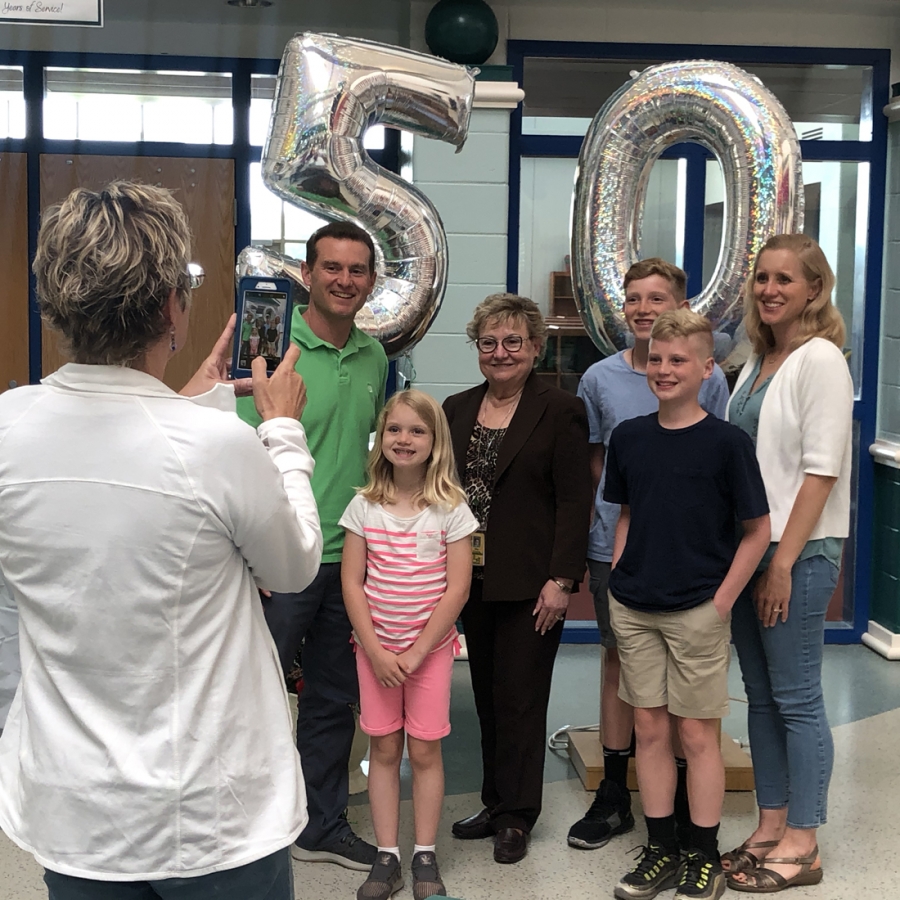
406	566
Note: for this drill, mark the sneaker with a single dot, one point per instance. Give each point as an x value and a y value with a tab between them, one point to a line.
609	815
657	870
385	879
426	877
351	852
701	879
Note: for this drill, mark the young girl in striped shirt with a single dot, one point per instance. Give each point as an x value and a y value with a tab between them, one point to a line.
406	570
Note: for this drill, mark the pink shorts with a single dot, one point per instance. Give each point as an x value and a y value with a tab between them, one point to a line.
420	706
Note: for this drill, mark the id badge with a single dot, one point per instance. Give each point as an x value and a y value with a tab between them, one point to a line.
478	540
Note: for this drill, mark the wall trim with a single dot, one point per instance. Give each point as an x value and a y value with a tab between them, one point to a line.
886	453
497	95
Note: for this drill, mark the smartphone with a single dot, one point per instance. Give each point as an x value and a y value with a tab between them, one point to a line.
263	323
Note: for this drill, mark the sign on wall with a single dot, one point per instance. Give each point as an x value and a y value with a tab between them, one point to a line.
52	12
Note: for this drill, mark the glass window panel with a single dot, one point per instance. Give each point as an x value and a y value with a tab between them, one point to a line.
713	218
555	125
569	90
190	119
547	184
837	214
12	102
299	224
544	225
265	210
262	93
113	118
134	105
663	226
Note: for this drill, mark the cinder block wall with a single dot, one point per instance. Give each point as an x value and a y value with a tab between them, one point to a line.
470	191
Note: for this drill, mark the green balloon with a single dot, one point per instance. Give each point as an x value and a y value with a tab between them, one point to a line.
463	31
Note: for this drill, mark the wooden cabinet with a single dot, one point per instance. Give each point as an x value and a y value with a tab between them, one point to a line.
569	351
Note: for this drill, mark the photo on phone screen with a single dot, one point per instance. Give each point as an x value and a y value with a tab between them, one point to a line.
264	320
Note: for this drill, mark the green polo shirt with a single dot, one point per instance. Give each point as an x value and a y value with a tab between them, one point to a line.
345	393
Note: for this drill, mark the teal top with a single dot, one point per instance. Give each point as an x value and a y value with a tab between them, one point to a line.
345	393
744	412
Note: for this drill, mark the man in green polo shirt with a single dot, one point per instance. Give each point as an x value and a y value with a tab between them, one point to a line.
345	373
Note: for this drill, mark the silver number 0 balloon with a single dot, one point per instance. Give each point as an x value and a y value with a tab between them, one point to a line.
719	106
330	90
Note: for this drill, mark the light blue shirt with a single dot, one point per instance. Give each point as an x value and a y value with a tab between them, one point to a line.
613	392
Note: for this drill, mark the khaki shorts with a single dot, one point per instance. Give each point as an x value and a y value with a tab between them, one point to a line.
674	659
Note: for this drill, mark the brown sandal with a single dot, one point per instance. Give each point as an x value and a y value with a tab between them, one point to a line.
741	859
767	881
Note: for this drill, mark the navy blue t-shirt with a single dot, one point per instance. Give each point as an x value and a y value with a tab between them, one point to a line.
688	489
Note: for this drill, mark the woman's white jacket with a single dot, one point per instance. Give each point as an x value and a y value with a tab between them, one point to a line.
805	428
150	736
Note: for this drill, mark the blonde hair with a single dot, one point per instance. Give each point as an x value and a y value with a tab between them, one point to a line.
441	486
820	318
656	265
501	307
105	265
683	323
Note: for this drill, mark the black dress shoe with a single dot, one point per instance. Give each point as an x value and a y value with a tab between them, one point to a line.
474	827
510	845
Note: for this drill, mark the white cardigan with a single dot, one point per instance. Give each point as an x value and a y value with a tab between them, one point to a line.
805	428
150	737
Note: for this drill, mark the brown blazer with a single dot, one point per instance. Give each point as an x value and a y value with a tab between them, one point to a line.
542	495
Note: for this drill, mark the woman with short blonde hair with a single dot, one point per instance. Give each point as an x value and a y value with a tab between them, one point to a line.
137	524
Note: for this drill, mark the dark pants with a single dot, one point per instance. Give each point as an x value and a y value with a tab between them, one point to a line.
511	666
325	721
270	878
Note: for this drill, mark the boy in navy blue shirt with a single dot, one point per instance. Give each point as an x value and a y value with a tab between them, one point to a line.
684	480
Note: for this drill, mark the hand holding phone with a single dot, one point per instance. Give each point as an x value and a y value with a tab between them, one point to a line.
214	369
283	395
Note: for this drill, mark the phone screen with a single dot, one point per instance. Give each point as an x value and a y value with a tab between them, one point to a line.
264	316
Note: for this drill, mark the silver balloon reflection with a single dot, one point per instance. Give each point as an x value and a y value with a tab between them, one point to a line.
263	261
719	106
330	90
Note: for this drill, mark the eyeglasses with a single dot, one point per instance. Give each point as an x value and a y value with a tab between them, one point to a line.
511	343
195	275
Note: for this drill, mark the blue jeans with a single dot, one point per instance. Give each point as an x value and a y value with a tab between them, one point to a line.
325	720
270	878
790	740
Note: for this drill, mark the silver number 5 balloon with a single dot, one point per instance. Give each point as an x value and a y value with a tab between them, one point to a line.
729	112
330	90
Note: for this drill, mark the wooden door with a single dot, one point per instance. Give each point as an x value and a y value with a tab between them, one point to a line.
205	188
13	270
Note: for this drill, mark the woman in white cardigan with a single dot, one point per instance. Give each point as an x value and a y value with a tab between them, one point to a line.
794	397
148	751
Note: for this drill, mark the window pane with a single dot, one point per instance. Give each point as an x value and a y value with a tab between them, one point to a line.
547	184
837	214
825	102
12	102
664	204
713	218
262	93
544	224
131	105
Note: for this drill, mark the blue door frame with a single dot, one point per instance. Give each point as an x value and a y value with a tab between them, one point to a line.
34	144
873	152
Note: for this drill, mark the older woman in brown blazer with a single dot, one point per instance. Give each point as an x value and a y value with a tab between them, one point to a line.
522	453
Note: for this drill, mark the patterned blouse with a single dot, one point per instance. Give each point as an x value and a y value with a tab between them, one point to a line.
481	463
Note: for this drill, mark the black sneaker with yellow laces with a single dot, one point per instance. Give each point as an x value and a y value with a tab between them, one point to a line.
657	870
702	878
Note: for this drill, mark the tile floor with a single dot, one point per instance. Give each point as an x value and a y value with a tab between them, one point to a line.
859	847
